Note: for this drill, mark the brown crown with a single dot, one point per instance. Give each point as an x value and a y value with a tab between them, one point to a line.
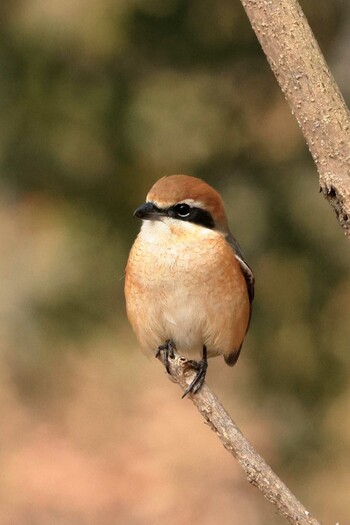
178	188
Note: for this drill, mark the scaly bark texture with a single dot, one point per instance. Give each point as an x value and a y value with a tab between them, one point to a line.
256	469
312	93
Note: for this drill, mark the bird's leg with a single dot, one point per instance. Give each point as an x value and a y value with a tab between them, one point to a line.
167	349
201	368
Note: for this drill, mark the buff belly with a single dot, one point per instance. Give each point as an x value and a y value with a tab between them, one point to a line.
186	288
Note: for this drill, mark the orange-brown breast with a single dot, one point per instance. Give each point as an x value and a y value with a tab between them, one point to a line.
186	284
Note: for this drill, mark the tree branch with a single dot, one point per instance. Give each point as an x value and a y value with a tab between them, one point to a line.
312	93
256	469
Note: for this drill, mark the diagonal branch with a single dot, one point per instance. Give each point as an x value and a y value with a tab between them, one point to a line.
312	93
256	469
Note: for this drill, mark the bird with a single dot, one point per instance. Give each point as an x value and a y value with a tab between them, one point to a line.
187	285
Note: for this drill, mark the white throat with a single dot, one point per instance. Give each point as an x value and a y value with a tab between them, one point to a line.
161	231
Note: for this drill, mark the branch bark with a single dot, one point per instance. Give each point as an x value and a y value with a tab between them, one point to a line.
312	93
256	469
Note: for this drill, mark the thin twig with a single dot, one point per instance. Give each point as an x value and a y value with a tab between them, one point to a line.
312	93
256	469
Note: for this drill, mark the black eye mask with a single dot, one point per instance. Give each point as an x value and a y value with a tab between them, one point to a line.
185	212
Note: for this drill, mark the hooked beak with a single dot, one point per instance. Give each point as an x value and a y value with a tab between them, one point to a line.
148	211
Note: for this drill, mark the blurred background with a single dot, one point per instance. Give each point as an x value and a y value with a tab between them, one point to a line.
98	99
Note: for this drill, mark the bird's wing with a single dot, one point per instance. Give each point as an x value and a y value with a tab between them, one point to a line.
247	271
231	358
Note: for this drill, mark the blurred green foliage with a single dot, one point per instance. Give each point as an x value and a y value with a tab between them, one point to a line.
98	100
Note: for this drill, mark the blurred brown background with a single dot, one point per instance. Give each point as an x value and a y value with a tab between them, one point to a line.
98	99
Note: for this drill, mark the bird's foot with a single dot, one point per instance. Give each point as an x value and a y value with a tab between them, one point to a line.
201	368
167	350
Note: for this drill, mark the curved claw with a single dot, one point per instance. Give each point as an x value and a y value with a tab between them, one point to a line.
195	385
201	367
167	349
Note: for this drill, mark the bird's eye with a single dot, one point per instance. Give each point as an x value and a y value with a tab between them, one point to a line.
182	210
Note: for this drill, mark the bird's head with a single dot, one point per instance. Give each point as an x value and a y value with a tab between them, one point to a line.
184	198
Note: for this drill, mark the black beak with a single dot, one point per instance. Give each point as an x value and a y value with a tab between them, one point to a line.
148	211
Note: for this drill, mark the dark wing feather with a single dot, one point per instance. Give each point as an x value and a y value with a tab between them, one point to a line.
231	359
247	271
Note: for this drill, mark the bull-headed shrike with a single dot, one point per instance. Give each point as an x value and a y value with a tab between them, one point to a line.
187	285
